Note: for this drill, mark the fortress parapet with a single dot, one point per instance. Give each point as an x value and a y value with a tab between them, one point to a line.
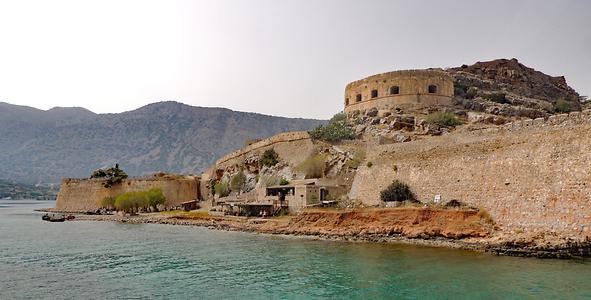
408	88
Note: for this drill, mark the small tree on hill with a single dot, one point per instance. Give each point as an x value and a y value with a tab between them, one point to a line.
314	166
222	189
269	158
238	181
397	191
336	130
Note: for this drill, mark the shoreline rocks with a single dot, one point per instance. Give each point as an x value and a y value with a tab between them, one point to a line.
497	245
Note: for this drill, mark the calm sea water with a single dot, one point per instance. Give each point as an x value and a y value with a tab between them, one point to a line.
102	260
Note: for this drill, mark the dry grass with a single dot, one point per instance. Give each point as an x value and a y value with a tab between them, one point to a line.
483	214
199	214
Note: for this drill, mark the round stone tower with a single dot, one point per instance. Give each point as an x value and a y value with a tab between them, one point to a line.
409	88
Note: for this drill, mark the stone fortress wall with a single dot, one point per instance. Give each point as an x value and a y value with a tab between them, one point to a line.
80	195
262	145
400	88
292	147
530	175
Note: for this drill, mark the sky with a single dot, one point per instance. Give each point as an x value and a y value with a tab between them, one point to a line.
285	58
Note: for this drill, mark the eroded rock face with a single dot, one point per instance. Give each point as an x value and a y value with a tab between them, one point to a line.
530	93
510	75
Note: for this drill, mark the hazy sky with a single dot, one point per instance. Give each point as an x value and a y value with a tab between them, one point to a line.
287	58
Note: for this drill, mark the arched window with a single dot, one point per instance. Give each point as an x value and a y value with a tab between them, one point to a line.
374	93
358	97
394	90
432	89
346	101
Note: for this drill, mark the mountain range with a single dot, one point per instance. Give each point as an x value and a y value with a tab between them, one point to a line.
40	146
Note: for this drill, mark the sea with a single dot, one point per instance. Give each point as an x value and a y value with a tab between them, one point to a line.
108	260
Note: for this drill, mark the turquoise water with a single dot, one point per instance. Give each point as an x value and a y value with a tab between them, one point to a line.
102	260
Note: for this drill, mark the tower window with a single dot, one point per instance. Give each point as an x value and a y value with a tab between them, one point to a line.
432	89
394	90
358	97
374	93
346	101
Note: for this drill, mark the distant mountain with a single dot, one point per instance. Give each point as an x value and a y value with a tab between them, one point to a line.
44	146
16	191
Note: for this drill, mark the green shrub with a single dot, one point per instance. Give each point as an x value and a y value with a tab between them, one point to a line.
369	164
283	181
155	197
358	158
134	201
313	167
397	191
112	176
496	97
269	158
562	106
336	130
131	201
238	181
471	93
222	189
443	119
460	89
108	203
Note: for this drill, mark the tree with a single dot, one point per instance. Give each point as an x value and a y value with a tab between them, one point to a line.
336	130
221	189
108	203
238	181
134	201
269	158
112	176
155	197
314	166
397	191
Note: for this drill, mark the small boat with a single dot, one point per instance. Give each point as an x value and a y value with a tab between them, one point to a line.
52	217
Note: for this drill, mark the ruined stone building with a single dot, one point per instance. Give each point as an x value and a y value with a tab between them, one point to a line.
414	88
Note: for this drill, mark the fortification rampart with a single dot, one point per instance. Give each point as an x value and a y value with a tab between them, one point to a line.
292	147
262	145
530	175
78	195
414	88
560	120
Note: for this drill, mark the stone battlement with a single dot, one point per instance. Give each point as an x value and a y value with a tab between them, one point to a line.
554	120
560	120
279	138
400	88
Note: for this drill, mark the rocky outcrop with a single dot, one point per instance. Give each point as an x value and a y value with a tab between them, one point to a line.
527	92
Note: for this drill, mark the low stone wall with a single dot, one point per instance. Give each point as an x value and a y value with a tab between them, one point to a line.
78	195
531	175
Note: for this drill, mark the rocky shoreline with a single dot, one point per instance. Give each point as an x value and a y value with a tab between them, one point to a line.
540	246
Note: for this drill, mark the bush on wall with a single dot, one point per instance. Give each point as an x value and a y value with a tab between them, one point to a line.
397	191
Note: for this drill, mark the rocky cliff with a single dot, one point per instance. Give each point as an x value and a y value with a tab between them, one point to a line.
507	87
